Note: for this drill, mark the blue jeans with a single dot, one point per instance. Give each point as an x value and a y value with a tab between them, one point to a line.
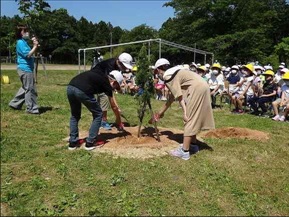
77	97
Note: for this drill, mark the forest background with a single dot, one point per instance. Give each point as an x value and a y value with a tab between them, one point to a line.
237	32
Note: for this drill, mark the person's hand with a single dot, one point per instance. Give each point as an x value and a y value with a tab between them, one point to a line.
35	41
156	117
186	119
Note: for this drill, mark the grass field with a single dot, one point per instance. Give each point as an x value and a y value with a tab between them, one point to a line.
40	177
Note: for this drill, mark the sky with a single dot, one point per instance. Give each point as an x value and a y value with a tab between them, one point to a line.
125	14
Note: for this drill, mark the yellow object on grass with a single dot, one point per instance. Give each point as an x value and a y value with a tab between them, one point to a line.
5	79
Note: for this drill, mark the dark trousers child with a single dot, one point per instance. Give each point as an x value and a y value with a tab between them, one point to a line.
257	102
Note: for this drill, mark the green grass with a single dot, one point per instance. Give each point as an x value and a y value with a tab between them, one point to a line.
39	176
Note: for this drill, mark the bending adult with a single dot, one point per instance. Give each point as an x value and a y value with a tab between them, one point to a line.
25	65
121	63
82	89
193	94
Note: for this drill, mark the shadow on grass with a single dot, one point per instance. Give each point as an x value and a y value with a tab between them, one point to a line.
178	137
44	109
105	136
62	84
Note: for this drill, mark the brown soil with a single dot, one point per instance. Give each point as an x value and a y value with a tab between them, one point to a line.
236	132
127	144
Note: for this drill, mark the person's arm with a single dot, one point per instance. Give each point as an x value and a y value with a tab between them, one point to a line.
246	89
116	110
215	90
35	45
283	99
270	94
183	105
168	103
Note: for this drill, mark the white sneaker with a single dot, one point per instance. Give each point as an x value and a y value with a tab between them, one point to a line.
179	152
282	118
193	148
276	118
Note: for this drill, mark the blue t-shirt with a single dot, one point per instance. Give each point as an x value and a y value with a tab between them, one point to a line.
233	79
24	63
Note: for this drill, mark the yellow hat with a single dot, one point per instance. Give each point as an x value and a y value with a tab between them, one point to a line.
286	76
249	66
134	68
216	65
269	72
203	68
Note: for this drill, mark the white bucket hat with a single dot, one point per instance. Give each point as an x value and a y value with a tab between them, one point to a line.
126	60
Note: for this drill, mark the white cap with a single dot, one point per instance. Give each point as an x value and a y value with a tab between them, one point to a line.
268	67
258	67
161	62
126	60
227	69
284	70
207	65
193	64
235	67
116	75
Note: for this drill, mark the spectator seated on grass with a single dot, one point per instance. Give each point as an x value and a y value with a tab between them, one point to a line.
245	91
280	81
232	79
283	102
216	83
267	95
279	73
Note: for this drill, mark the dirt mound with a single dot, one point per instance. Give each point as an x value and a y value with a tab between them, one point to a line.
235	132
127	144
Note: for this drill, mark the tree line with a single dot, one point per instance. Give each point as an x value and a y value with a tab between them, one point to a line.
236	31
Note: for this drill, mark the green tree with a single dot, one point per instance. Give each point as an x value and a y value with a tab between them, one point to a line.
144	80
282	49
236	31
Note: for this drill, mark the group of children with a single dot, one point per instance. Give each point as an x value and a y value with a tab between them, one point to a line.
253	86
250	88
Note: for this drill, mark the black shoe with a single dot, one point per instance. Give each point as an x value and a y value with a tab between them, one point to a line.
72	146
92	145
89	146
75	145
